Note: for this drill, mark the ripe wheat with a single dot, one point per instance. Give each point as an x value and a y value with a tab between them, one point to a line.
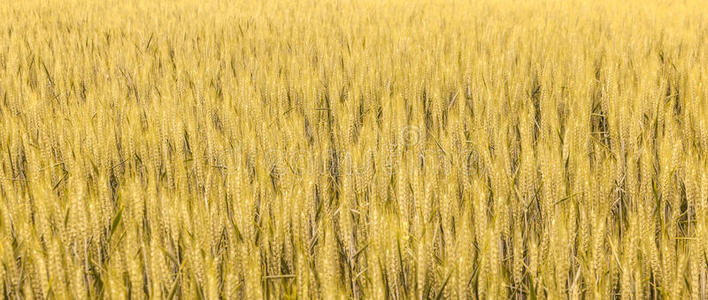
354	149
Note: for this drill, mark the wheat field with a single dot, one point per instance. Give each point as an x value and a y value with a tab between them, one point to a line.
342	149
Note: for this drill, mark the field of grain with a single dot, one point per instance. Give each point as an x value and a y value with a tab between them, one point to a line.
342	149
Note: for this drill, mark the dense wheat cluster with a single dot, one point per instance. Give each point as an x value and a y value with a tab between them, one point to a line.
354	149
